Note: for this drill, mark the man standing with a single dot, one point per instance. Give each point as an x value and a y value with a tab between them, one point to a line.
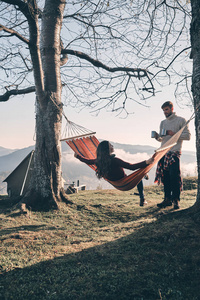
168	169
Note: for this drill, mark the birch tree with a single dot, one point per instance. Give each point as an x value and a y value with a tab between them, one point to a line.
100	54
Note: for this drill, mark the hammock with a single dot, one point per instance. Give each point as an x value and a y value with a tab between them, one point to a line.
86	144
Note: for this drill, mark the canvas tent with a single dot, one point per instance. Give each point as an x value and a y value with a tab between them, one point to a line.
18	180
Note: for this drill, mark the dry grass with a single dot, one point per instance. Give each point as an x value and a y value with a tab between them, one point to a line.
105	246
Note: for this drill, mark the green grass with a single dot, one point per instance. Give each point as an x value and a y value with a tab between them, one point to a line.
104	246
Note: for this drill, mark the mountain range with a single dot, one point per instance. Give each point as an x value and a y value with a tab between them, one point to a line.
73	169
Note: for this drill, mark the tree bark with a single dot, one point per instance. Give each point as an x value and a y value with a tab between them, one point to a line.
195	55
45	188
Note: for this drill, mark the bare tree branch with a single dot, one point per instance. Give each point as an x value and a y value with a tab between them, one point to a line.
137	72
131	48
14	33
8	94
164	69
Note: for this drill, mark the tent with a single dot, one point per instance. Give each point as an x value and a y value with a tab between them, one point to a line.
18	180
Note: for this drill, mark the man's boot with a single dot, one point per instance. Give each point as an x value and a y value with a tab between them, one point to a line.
164	203
176	205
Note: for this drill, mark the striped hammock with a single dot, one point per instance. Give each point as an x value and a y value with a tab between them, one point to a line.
84	143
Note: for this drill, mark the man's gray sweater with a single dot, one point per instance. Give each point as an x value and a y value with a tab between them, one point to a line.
174	123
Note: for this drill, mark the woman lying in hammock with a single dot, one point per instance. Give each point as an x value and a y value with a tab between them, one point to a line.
109	166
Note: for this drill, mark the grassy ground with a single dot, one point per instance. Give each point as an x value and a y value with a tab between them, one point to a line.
105	246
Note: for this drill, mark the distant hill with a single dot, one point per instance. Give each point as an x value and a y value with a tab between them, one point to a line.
73	170
5	151
10	161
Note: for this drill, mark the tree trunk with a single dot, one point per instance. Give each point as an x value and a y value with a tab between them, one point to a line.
45	188
195	55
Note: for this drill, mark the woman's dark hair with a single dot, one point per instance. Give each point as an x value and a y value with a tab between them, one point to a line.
103	160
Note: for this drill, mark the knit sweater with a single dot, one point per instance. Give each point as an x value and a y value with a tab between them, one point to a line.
174	123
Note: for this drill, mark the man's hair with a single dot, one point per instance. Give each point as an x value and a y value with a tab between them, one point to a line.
167	103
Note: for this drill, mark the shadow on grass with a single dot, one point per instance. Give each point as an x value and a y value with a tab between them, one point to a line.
24	228
120	213
159	261
7	202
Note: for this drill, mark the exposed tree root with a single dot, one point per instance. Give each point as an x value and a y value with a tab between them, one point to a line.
64	197
33	201
194	212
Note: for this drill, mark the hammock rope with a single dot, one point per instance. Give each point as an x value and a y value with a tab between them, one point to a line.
74	131
85	143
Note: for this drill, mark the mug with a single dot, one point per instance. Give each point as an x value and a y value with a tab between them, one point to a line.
163	132
153	134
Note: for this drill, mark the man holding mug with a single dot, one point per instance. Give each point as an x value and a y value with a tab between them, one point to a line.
168	168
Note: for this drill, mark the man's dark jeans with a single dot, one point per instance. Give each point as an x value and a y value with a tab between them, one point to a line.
171	180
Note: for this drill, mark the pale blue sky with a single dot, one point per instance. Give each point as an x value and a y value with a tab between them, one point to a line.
18	122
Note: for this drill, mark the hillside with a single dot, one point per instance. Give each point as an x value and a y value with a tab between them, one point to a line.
5	151
102	247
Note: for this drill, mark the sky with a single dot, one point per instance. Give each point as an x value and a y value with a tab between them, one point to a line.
17	122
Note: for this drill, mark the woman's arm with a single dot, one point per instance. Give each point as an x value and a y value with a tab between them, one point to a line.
85	160
136	166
